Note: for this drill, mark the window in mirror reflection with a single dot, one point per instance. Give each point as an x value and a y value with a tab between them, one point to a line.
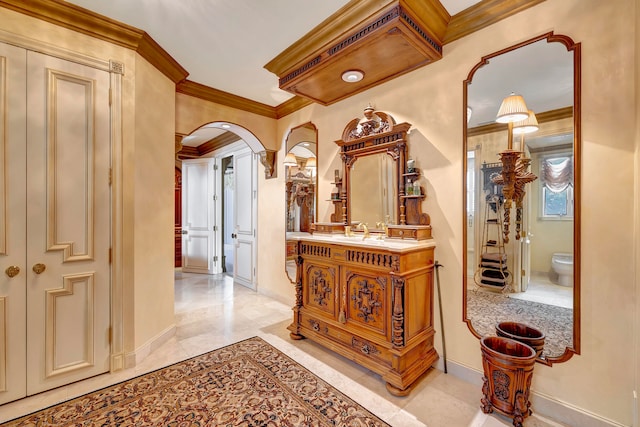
557	186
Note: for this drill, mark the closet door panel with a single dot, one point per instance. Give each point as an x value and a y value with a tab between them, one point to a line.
12	223
68	230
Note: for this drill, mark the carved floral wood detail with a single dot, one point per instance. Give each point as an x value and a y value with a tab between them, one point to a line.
320	289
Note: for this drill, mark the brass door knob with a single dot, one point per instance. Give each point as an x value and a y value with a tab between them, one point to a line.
39	268
12	270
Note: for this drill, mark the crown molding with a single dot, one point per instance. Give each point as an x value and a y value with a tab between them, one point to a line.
291	106
187	87
483	14
84	21
348	16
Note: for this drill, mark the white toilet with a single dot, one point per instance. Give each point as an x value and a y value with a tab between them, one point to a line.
562	264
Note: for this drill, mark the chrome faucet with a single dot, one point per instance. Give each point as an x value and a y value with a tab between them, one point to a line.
363	226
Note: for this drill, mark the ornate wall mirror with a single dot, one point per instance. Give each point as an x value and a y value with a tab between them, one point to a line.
301	196
521	237
375	189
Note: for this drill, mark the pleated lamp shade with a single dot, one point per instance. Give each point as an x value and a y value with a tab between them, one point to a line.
311	163
528	125
290	160
513	109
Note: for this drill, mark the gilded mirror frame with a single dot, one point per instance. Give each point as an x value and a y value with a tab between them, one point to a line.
573	48
298	135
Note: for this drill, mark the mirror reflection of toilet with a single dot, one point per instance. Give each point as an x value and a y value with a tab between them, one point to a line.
562	265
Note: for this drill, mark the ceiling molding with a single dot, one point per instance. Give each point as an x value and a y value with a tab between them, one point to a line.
218	142
547	116
292	105
483	14
410	32
84	21
187	87
213	144
350	15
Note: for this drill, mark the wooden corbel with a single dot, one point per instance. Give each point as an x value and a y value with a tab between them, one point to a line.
268	160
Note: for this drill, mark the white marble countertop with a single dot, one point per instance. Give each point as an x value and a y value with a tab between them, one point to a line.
358	240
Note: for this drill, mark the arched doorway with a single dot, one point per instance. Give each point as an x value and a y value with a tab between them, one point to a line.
216	158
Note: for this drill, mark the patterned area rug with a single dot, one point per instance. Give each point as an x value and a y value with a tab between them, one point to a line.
249	383
487	309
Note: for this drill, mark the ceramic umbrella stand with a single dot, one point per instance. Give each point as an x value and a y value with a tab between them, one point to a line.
508	369
524	333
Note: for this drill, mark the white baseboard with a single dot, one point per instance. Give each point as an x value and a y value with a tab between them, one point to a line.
131	359
542	405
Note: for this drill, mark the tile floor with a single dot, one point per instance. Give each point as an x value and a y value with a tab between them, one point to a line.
212	312
542	290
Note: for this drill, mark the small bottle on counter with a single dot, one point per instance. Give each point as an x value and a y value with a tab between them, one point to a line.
416	188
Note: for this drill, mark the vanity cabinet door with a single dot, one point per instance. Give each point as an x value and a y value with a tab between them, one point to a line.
320	288
366	301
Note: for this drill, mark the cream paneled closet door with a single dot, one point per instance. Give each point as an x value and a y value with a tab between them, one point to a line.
57	171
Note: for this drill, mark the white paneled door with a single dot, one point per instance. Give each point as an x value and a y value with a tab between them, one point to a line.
54	325
244	165
198	215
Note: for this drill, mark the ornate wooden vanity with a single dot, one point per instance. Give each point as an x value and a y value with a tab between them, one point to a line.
370	297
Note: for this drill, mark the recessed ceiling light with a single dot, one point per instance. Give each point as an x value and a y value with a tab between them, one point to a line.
225	126
352	76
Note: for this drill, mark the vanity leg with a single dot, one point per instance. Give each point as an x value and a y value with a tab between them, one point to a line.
395	391
295	336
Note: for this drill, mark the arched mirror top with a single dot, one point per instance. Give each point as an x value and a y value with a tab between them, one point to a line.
374	151
536	209
300	165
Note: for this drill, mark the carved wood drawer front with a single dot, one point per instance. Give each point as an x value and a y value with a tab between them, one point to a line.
320	288
350	342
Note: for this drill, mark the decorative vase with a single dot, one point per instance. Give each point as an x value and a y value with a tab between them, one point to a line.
508	369
524	333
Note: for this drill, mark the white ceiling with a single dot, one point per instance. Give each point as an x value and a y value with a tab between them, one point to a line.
224	44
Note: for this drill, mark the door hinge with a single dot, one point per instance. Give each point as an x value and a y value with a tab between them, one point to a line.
215	259
215	167
110	176
110	96
215	228
524	273
215	197
110	334
110	255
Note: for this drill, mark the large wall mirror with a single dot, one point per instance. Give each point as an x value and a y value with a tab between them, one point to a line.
301	196
521	236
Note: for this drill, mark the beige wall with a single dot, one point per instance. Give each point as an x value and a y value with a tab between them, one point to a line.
431	99
153	189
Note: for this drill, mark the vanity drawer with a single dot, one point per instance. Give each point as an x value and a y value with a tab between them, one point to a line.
349	345
409	232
